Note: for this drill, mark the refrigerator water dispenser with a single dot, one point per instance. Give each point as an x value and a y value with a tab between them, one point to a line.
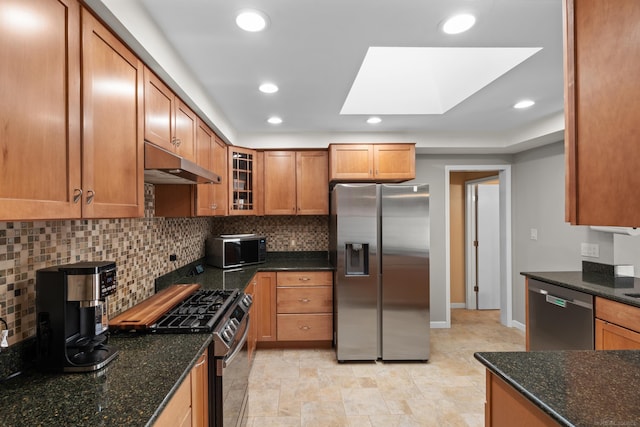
357	259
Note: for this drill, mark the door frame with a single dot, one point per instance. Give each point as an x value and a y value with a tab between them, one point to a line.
506	257
470	225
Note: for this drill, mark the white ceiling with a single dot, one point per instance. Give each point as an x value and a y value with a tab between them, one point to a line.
313	50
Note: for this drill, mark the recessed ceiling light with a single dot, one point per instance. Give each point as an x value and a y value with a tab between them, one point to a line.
274	120
268	88
525	103
374	120
252	20
459	23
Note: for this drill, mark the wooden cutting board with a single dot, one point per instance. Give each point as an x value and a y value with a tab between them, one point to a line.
145	314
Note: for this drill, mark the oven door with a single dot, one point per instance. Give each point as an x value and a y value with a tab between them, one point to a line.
232	381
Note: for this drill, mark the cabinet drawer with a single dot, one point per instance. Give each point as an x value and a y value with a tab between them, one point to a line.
618	313
311	299
305	327
305	278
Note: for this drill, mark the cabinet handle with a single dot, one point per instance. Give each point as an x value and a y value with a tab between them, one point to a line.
214	206
305	327
77	194
178	142
90	196
201	363
304	279
173	141
305	300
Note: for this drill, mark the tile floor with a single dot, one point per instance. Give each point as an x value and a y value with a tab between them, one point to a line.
309	388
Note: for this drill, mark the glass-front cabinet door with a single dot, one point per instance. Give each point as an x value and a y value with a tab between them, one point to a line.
241	181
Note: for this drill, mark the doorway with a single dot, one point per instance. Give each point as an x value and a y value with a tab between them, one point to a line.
453	270
482	243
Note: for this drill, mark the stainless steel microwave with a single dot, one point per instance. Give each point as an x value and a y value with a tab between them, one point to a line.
236	250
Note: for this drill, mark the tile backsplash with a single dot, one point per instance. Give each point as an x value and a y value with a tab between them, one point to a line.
139	246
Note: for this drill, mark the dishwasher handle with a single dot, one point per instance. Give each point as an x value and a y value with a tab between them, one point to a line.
559	301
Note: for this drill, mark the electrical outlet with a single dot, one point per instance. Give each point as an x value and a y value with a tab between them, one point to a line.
293	243
173	257
591	250
534	234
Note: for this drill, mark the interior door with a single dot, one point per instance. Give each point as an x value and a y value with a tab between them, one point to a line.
488	237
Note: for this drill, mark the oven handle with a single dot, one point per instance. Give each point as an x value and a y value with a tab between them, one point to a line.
227	360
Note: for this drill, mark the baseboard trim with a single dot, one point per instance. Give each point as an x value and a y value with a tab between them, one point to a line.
458	305
440	325
518	325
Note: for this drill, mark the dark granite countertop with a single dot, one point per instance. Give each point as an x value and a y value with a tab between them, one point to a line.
134	388
238	278
593	283
577	388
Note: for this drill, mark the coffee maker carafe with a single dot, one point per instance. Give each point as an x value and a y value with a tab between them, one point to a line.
72	320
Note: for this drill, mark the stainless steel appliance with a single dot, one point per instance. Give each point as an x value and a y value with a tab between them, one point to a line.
72	322
225	314
559	318
235	250
379	246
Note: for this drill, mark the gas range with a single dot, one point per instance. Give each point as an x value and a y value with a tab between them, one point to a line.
198	313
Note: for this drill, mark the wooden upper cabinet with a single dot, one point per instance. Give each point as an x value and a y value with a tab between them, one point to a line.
312	183
279	182
40	162
296	183
350	162
372	162
168	122
392	162
242	175
602	58
204	158
219	193
112	156
185	131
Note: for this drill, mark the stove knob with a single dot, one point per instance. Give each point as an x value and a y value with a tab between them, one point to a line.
234	323
227	335
247	300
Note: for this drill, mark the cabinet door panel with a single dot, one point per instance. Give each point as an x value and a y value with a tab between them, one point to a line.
266	306
602	53
614	337
112	155
351	161
204	147
185	131
40	111
312	182
158	111
312	299
280	185
394	161
220	191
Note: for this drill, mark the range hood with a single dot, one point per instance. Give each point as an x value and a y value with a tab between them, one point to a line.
164	167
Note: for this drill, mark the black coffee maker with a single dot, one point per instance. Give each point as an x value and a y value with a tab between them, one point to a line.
72	321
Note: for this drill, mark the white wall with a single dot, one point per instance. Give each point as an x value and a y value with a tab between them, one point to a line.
538	202
430	169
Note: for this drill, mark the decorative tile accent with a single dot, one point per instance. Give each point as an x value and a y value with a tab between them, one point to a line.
139	246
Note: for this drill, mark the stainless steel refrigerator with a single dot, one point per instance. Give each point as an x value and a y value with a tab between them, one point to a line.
379	246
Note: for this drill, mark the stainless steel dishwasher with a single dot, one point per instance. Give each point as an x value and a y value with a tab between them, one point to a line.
559	318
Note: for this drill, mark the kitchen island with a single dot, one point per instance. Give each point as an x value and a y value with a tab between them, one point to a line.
572	388
134	388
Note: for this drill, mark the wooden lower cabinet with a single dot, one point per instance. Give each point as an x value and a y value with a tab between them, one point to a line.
617	326
189	405
305	306
178	410
252	338
505	406
200	392
266	306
